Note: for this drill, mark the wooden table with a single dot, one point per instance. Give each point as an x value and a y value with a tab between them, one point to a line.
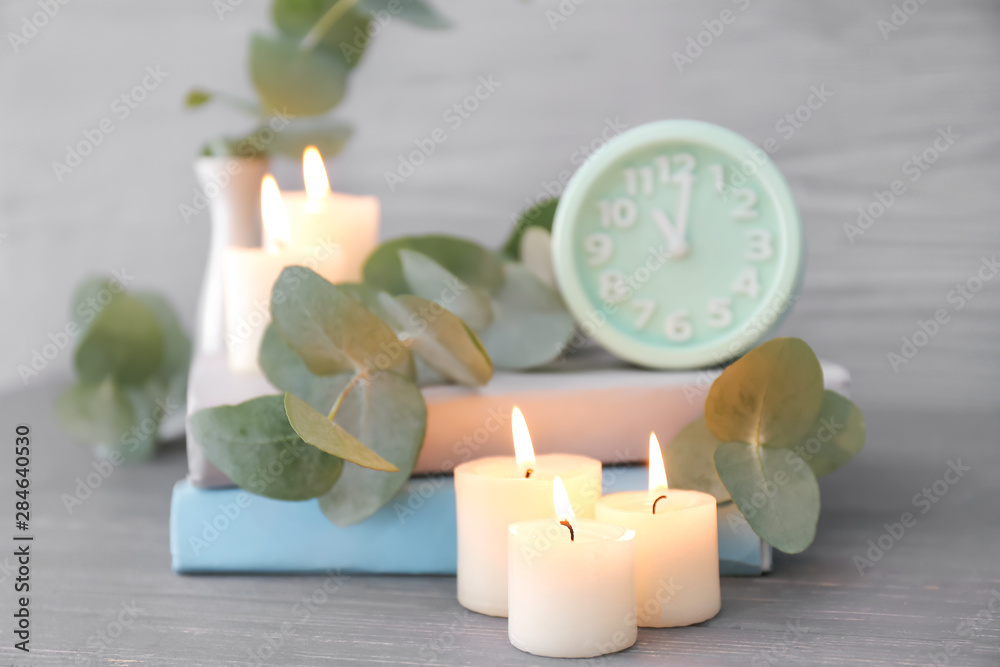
103	591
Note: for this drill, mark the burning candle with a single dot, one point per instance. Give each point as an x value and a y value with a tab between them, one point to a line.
493	492
572	584
345	225
677	548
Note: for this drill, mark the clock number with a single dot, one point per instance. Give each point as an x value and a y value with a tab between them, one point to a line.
720	313
599	246
678	327
622	213
612	287
683	166
747	201
748	284
719	177
633	178
645	308
760	249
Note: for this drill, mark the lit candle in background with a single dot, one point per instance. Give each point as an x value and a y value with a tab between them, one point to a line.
493	492
677	548
572	584
345	225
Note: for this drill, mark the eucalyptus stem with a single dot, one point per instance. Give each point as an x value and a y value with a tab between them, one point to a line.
326	22
340	399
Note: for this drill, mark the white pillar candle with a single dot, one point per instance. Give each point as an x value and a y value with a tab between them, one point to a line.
572	585
492	493
677	548
345	225
249	275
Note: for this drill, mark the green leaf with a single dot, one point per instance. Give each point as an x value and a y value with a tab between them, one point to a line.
837	434
469	262
690	460
428	279
331	332
415	12
347	38
540	215
176	346
317	430
124	341
286	371
438	337
197	97
256	447
531	325
769	397
296	82
774	489
98	414
385	411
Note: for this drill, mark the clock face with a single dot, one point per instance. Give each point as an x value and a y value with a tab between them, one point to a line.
678	245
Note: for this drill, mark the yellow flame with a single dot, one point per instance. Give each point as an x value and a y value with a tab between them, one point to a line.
272	211
314	174
657	470
564	509
523	451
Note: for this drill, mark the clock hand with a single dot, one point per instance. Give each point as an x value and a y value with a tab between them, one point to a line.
675	242
686	181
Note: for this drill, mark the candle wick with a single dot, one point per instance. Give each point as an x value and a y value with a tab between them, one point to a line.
527	473
656	501
572	535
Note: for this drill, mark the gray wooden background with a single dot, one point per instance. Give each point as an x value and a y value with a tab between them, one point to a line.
890	94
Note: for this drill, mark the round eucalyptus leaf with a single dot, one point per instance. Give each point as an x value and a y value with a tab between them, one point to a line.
124	341
176	346
331	332
690	461
287	372
296	82
386	412
256	447
440	338
768	397
471	263
539	215
531	326
415	12
197	97
433	282
835	437
536	255
774	489
317	430
347	38
99	414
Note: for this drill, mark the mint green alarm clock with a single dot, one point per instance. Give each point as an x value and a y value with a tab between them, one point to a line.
678	245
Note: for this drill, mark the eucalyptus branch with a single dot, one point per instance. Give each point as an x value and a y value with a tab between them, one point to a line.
326	23
340	399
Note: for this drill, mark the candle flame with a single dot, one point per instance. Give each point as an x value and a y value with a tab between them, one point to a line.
273	213
314	174
657	470
564	509
523	451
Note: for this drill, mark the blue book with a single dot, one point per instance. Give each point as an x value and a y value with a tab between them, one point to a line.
231	530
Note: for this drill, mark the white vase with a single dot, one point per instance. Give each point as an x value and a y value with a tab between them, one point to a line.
232	187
